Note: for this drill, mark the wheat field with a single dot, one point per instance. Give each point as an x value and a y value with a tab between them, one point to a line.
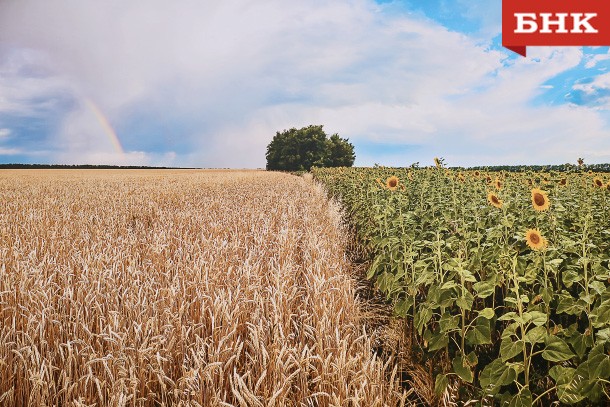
185	288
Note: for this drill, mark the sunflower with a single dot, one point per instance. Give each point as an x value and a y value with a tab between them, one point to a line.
540	200
392	183
494	200
563	182
437	162
477	173
597	181
498	183
534	239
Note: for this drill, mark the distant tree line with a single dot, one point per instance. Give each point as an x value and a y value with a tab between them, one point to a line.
546	168
301	149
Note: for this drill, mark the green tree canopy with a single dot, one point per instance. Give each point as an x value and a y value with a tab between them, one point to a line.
301	149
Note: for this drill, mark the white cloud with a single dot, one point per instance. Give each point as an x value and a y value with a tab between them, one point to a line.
4	133
238	71
27	88
595	92
595	59
599	82
9	151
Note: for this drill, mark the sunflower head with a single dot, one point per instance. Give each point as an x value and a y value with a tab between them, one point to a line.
477	173
534	239
597	181
540	200
437	162
494	200
391	183
498	183
563	182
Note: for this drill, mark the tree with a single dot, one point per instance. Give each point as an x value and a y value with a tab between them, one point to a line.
340	152
299	150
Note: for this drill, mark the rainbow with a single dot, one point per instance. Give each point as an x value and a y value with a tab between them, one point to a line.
106	126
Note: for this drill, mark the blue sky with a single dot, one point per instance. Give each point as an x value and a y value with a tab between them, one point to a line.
208	83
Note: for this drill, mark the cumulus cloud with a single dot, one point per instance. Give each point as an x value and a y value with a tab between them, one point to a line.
593	60
592	91
208	83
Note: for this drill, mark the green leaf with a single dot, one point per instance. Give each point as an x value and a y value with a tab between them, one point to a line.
440	384
557	371
586	379
556	350
487	313
465	302
597	286
600	316
495	375
580	343
480	334
402	307
438	341
567	385
461	368
449	322
535	317
603	335
472	359
510	330
449	285
568	305
509	316
509	348
467	275
374	267
547	294
570	277
600	364
422	317
484	288
536	335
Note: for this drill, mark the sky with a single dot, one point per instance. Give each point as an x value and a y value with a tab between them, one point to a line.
208	83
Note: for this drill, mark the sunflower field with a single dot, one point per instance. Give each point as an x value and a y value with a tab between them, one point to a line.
502	278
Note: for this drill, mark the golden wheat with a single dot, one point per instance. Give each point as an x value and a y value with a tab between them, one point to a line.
202	288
